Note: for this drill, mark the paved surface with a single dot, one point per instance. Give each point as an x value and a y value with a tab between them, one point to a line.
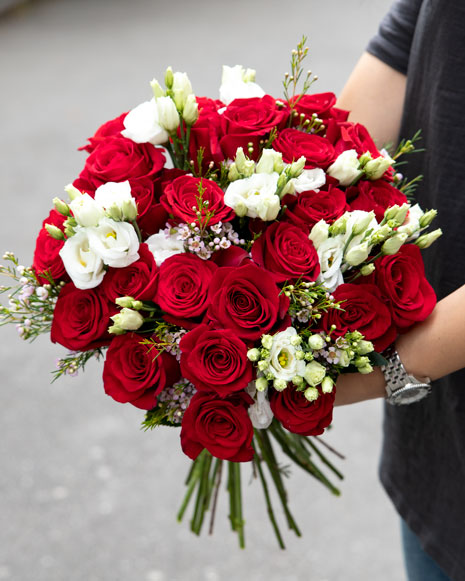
86	495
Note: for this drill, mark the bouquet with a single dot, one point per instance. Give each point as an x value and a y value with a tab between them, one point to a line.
229	259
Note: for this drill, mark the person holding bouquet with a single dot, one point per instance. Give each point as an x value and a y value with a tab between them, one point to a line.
412	77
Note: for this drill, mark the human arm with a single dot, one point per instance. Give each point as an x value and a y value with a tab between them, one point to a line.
433	348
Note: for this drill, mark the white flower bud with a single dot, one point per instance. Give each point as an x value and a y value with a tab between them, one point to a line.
327	385
381	234
344	359
168	116
339	226
182	88
72	191
375	168
267	341
316	342
169	77
270	161
393	244
427	218
157	89
279	384
54	232
116	199
244	165
365	369
297	167
61	207
346	168
319	233
128	319
261	384
426	240
362	221
311	394
357	254
363	347
190	113
125	302
314	373
367	269
253	354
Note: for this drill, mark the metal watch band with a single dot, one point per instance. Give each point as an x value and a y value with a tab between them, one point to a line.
401	388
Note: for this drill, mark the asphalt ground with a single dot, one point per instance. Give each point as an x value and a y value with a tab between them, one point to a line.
86	495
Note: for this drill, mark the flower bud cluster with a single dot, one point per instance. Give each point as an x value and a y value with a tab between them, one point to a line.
349	167
176	399
205	241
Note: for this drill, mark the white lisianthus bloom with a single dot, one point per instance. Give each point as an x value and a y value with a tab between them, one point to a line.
117	195
319	233
84	266
128	320
314	373
168	116
116	243
270	161
330	256
309	180
238	83
260	412
411	225
255	196
346	168
164	244
283	363
86	210
182	88
142	125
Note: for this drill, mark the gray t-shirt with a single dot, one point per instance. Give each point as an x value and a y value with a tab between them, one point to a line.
423	459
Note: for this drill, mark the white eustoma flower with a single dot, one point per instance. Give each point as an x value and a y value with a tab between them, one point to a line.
254	196
283	361
117	195
168	116
270	161
319	233
116	243
164	244
182	88
142	125
238	83
314	373
128	319
330	253
84	266
86	210
411	225
346	168
260	412
309	180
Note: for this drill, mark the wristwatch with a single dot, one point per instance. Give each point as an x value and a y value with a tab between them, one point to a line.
402	388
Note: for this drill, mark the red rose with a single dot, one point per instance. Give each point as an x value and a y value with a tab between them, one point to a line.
206	132
364	311
300	416
183	287
346	135
247	300
232	256
136	373
138	280
215	360
321	104
151	215
118	159
310	207
109	129
46	254
81	319
293	144
247	121
285	251
222	426
402	282
375	195
181	196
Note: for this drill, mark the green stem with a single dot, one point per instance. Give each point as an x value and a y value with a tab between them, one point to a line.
323	458
269	506
172	155
235	501
219	473
191	481
202	494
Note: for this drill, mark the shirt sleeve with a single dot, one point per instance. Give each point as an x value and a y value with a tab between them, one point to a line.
394	38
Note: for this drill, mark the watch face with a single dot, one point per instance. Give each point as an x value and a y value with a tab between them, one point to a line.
410	393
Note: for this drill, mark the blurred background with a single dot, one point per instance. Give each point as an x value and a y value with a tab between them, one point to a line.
85	494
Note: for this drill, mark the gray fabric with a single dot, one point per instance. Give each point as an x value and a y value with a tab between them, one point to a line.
423	458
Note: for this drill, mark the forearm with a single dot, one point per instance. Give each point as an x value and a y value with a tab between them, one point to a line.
431	349
374	94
